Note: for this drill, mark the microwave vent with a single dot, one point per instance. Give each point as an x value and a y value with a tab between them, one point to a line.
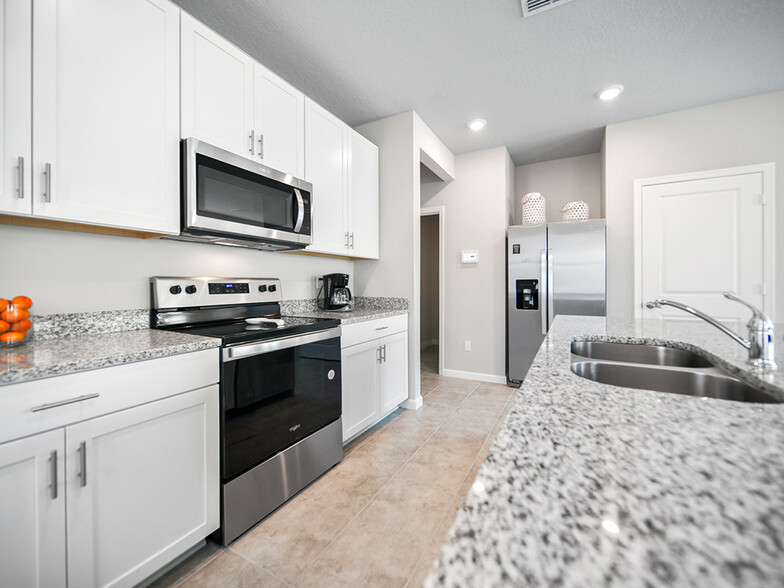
531	7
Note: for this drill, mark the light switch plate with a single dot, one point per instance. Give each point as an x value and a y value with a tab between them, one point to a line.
469	256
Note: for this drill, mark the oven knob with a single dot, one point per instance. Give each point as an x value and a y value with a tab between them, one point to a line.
175	289
262	288
190	289
272	287
331	375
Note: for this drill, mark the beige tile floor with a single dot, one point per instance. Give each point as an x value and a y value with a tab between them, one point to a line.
380	517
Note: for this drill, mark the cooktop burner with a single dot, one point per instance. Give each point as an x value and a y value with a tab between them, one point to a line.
242	332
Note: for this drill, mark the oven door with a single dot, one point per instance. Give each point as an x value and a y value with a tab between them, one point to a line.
226	194
275	393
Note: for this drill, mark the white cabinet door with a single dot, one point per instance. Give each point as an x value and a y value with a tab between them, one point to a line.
279	115
362	196
142	487
359	366
15	105
32	536
393	372
106	113
325	168
217	90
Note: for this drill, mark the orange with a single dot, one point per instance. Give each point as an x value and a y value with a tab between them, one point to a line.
4	326
11	336
13	314
22	302
21	326
4	304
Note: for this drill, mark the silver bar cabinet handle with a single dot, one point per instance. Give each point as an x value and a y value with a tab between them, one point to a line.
378	354
48	182
83	464
251	136
49	405
346	240
381	328
53	473
352	239
384	353
261	146
20	176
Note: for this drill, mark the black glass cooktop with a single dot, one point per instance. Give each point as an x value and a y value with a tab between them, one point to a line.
242	332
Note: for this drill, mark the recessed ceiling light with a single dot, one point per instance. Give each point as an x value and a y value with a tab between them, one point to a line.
610	92
477	124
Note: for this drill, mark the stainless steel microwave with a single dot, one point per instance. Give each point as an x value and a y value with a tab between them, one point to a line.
230	200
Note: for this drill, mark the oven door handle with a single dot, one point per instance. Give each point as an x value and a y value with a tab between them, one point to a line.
251	349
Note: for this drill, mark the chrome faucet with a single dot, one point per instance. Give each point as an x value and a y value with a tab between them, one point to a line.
761	335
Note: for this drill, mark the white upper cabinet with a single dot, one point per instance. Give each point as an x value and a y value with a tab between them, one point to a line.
343	167
234	102
15	105
106	113
217	89
362	196
279	115
325	167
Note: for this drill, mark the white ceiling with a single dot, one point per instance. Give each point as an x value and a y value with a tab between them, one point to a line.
533	79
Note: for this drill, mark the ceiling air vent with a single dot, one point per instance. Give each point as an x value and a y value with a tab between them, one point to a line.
531	7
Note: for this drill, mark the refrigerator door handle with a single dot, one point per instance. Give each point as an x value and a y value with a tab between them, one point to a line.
543	289
550	288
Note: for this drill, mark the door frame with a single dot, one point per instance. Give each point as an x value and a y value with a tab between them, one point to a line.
440	211
768	196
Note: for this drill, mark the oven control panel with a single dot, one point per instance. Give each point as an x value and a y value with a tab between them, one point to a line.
173	292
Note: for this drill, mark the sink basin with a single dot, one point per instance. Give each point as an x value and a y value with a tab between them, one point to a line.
711	384
632	353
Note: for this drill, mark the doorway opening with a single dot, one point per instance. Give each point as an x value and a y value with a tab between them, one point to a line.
431	295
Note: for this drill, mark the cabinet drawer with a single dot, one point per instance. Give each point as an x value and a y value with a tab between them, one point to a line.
355	333
24	410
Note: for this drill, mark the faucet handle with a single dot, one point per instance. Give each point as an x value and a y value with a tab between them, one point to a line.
758	315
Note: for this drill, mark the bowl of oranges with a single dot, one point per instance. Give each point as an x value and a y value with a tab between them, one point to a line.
15	324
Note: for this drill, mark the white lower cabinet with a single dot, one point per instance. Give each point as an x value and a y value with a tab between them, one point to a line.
375	372
132	465
32	503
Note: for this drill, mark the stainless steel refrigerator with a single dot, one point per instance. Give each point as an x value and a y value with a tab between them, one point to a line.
552	269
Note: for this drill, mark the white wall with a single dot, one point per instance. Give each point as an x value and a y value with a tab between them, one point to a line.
728	134
403	141
477	214
428	279
63	271
561	181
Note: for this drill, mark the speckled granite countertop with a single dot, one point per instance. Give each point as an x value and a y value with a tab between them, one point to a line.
57	357
594	485
365	309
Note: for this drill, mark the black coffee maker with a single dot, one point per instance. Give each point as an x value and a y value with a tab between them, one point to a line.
335	294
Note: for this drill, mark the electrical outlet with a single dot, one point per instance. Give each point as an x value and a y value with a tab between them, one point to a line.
467	345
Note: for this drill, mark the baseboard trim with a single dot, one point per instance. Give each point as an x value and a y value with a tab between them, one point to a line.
412	404
491	378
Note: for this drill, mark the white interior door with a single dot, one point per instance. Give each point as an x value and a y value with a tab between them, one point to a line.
700	237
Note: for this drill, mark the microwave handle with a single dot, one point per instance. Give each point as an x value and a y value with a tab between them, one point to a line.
301	208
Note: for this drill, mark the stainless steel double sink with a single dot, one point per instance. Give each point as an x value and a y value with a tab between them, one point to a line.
662	369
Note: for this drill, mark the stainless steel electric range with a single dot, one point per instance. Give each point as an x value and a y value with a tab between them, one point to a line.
280	389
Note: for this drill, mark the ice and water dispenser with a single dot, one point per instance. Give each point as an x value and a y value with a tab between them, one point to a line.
527	294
